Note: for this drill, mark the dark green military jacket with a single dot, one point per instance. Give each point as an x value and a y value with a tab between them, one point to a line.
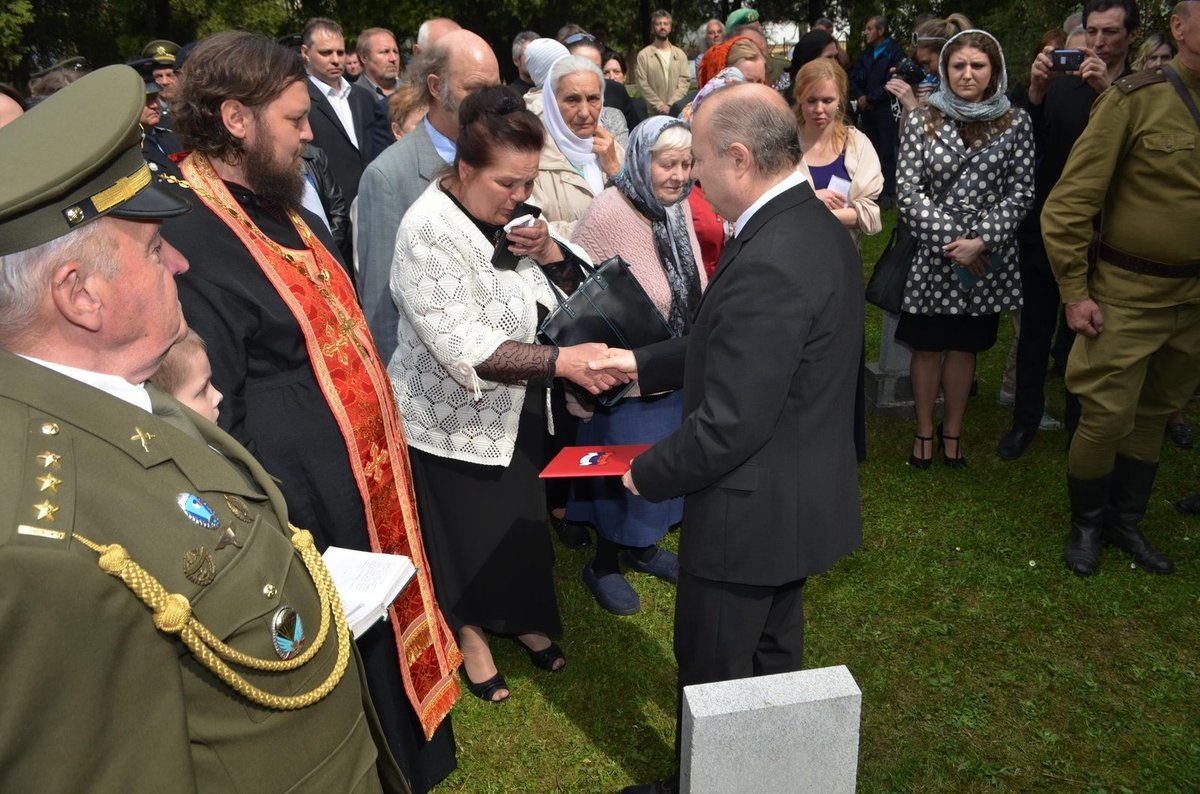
1137	165
97	699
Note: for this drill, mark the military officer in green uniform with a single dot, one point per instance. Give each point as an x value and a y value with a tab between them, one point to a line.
163	55
1137	310
164	628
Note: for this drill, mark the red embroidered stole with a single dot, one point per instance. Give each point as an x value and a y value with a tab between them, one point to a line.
356	386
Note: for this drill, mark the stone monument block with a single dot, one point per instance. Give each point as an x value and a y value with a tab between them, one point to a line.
792	732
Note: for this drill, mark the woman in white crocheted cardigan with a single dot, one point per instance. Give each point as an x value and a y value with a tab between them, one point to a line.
471	384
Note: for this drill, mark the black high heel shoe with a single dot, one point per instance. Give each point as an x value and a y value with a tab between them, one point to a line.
922	463
955	463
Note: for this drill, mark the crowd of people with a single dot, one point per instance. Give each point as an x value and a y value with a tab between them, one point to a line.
338	263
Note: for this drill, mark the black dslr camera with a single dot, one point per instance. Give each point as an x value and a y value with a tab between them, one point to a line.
910	71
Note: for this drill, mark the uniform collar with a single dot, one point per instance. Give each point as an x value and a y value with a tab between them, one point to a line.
114	385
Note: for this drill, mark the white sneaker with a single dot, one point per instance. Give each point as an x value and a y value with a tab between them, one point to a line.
1006	397
1049	422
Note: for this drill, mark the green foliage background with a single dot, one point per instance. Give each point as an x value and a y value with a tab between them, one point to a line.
110	31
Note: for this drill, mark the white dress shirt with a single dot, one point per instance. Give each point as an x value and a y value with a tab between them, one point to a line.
446	148
134	394
793	179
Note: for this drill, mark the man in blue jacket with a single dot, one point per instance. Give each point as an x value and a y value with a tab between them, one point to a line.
867	79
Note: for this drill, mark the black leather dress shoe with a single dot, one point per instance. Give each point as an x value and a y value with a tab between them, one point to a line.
1014	443
1181	434
1191	505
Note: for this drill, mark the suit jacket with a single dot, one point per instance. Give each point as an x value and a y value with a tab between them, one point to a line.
346	160
388	188
765	454
96	672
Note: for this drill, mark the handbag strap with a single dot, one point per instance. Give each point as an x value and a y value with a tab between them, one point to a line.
568	256
1173	76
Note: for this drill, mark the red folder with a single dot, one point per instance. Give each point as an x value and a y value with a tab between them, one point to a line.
593	461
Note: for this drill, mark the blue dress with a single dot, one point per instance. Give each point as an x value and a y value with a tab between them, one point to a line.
603	502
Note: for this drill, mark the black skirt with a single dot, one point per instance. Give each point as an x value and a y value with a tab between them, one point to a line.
485	533
959	332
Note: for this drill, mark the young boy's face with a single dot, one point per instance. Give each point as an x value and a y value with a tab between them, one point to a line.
197	391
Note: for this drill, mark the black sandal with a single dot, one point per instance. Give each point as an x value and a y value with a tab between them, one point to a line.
546	658
955	463
485	689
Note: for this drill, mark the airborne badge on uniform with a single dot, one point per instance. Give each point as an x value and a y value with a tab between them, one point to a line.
197	510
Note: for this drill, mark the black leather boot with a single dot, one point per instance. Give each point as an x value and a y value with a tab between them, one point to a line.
1129	494
1088	501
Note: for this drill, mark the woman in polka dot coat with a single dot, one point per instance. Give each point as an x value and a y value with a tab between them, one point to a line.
964	183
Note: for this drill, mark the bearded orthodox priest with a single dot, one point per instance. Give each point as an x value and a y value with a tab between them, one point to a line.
304	387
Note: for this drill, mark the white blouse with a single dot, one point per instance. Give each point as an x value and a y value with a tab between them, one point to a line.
455	311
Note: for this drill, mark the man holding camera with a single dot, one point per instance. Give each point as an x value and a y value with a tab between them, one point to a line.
1136	303
1059	102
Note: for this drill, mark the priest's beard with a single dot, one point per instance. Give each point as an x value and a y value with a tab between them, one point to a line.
281	184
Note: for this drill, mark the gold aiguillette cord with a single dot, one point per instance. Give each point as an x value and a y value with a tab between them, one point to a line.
173	615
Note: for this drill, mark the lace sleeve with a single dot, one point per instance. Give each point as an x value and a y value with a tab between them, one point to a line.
567	275
518	361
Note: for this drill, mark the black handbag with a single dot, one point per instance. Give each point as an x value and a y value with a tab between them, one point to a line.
885	289
610	306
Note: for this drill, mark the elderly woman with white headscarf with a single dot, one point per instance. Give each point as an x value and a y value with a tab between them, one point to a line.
579	155
964	183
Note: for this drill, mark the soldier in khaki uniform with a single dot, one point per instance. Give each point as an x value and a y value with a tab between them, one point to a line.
167	630
1137	312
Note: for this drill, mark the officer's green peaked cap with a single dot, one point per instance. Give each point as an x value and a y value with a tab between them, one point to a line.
76	157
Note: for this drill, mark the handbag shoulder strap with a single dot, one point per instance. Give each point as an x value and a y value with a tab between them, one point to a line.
589	271
1173	76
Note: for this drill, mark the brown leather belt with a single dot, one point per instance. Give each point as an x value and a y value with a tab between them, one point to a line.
1146	267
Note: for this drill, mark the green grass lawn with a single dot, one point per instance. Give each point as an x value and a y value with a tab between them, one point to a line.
984	664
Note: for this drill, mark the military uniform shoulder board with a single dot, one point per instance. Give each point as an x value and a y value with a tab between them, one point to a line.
46	505
1133	82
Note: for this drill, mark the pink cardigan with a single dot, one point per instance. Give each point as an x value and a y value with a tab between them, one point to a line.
612	226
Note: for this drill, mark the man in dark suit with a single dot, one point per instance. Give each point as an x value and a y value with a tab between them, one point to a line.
874	105
763	456
342	114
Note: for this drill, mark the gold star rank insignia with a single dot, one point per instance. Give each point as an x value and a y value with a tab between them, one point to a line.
49	459
45	510
142	436
48	482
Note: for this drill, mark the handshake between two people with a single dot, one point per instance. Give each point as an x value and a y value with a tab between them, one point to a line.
595	366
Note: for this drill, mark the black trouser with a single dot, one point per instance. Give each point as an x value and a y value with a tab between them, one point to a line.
725	631
880	127
1039	318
